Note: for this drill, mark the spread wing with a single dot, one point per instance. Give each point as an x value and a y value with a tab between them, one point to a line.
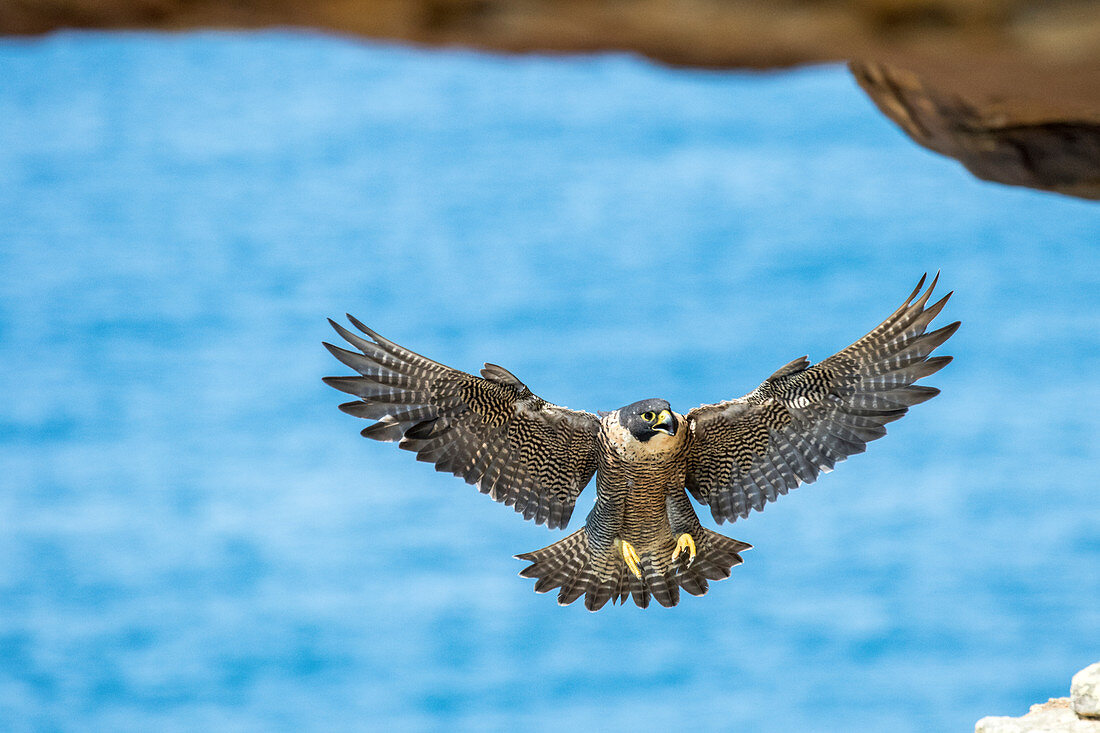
490	430
804	419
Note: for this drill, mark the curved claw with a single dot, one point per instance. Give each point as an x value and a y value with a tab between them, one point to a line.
685	542
630	555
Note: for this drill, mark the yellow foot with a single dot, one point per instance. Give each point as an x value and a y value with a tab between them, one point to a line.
684	543
630	555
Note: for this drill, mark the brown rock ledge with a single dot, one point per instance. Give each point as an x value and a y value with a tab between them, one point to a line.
1011	88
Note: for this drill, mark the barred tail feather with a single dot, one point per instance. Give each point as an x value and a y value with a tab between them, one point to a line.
717	556
575	567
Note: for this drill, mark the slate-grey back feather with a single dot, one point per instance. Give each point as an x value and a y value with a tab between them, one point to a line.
804	419
489	430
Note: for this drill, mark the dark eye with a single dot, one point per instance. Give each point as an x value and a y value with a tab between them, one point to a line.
648	416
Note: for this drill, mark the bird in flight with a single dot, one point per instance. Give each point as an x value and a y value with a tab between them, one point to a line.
642	538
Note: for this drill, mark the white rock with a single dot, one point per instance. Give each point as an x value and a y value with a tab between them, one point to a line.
1053	716
1084	691
1078	713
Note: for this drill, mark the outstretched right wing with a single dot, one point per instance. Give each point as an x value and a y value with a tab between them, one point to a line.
803	419
490	430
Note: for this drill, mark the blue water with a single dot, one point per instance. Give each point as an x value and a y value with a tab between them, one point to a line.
192	537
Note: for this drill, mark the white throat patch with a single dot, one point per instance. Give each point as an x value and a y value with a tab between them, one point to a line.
630	448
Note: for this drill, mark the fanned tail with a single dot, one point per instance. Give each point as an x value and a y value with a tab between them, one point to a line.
716	558
576	568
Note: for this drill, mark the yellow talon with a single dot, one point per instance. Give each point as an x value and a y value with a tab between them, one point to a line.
630	555
685	543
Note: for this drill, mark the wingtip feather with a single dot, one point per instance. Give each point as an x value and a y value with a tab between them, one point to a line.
916	290
378	338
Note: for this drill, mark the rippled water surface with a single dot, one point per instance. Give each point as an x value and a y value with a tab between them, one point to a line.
193	537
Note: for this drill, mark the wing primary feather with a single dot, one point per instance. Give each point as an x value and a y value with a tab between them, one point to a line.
835	408
491	430
395	349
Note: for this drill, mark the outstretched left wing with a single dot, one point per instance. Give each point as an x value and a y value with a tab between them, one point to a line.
803	419
490	430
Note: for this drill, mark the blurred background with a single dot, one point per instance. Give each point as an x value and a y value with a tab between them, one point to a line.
193	537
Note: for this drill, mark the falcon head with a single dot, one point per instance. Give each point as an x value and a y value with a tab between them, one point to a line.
647	418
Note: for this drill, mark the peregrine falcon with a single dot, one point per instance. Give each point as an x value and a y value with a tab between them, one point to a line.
642	538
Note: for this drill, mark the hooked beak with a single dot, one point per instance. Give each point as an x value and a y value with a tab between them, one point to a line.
665	423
